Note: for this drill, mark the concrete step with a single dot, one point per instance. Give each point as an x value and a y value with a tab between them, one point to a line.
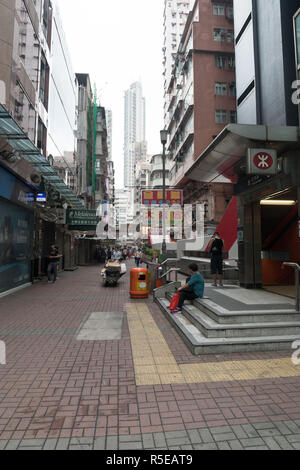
198	343
223	316
211	329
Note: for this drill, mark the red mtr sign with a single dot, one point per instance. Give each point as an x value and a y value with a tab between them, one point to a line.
262	161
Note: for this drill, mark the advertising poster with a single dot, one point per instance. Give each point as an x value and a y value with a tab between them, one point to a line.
16	227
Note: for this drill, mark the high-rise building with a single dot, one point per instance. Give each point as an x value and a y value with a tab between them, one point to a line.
63	94
84	155
134	129
175	17
201	91
265	61
122	201
109	126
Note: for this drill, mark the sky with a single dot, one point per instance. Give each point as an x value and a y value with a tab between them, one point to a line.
119	42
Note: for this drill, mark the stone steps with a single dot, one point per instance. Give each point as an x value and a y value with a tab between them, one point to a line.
204	334
212	329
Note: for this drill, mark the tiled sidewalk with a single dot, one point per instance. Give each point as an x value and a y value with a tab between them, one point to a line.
60	393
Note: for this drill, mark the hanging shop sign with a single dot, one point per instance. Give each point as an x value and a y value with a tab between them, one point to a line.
262	162
82	219
173	197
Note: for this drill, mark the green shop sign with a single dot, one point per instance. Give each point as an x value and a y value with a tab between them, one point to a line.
82	218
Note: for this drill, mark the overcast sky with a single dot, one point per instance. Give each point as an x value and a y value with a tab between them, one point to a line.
118	42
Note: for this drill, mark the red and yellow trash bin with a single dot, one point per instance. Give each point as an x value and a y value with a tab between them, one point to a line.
139	283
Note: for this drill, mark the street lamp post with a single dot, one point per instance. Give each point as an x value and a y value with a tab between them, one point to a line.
164	138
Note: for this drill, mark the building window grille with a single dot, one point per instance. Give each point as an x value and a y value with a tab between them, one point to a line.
221	89
220	62
221	116
219	9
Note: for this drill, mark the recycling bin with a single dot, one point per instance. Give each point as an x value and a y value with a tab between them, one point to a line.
139	283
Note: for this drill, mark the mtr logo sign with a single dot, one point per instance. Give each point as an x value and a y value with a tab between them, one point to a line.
262	162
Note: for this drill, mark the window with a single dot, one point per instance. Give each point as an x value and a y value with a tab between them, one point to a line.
221	89
41	137
230	36
220	62
219	9
220	35
231	62
44	81
233	117
221	116
232	89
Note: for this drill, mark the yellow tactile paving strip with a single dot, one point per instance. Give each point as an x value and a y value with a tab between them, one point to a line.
155	364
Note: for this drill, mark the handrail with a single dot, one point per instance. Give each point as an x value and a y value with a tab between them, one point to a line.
297	270
168	260
171	270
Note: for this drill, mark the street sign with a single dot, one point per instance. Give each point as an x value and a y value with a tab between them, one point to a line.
85	218
262	162
153	197
41	197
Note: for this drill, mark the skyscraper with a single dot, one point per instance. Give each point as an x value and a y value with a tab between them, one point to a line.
134	129
175	17
109	132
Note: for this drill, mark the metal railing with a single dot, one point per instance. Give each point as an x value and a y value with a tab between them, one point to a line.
169	272
297	270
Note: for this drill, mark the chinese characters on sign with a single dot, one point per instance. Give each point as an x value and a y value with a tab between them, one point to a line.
173	197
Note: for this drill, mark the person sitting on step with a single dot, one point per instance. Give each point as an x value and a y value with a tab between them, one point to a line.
193	289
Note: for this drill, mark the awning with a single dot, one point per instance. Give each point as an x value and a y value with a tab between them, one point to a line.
216	163
18	141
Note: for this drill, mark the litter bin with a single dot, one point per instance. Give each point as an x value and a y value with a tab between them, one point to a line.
139	283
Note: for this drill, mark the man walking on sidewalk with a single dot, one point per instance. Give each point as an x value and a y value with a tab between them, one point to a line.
54	258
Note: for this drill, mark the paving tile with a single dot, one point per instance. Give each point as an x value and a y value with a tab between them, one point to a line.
194	436
224	437
112	443
130	445
13	444
160	440
208	446
180	441
235	445
223	446
148	441
50	444
99	443
206	436
252	441
62	443
3	444
32	442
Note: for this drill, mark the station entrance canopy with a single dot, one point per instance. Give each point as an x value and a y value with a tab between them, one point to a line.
19	142
216	164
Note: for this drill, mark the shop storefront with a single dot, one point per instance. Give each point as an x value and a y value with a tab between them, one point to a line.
16	231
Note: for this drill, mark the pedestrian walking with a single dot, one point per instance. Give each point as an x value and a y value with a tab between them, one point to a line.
54	258
117	255
138	256
216	247
192	290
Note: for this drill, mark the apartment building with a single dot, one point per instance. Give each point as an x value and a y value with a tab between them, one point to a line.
175	16
202	91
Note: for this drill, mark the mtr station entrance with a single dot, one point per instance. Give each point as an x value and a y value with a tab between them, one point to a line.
263	163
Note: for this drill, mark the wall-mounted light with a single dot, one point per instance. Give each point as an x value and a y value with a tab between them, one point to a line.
278	202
